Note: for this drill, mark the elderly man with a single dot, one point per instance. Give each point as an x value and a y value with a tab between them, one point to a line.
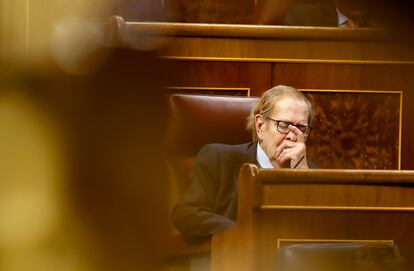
280	124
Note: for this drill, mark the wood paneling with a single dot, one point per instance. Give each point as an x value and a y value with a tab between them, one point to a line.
274	42
192	74
336	196
342	225
272	50
342	76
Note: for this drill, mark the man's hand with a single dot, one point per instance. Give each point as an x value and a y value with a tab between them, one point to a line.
292	151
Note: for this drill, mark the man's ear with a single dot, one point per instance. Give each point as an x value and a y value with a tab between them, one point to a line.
259	125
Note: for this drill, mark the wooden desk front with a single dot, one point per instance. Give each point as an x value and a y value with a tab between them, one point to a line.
278	207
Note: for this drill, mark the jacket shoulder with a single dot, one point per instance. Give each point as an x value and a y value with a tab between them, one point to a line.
218	149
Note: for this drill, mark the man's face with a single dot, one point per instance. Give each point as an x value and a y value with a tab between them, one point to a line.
285	109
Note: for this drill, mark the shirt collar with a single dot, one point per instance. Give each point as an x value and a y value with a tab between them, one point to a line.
341	18
262	158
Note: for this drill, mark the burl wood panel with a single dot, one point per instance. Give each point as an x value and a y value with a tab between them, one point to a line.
340	76
211	11
374	139
355	130
214	74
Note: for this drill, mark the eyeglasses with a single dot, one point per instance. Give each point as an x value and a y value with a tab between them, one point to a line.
283	127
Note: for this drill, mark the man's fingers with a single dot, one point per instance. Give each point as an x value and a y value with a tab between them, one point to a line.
284	156
285	144
279	149
292	151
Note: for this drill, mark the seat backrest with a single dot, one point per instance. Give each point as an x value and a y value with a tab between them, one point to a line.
312	257
196	120
324	256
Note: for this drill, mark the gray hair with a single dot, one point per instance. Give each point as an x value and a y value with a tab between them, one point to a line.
266	103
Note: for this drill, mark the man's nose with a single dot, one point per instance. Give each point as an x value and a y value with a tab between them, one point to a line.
291	136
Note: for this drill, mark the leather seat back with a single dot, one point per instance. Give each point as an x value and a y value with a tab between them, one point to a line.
326	256
196	120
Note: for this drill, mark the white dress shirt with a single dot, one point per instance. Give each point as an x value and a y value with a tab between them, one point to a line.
262	158
342	19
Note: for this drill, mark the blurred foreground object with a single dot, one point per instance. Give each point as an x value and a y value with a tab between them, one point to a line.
81	182
81	178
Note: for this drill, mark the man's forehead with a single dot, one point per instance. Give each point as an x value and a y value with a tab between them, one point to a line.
291	106
286	101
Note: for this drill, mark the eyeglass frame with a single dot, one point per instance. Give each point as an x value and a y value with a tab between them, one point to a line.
290	123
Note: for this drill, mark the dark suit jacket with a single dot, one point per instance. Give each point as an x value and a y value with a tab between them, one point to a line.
210	203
